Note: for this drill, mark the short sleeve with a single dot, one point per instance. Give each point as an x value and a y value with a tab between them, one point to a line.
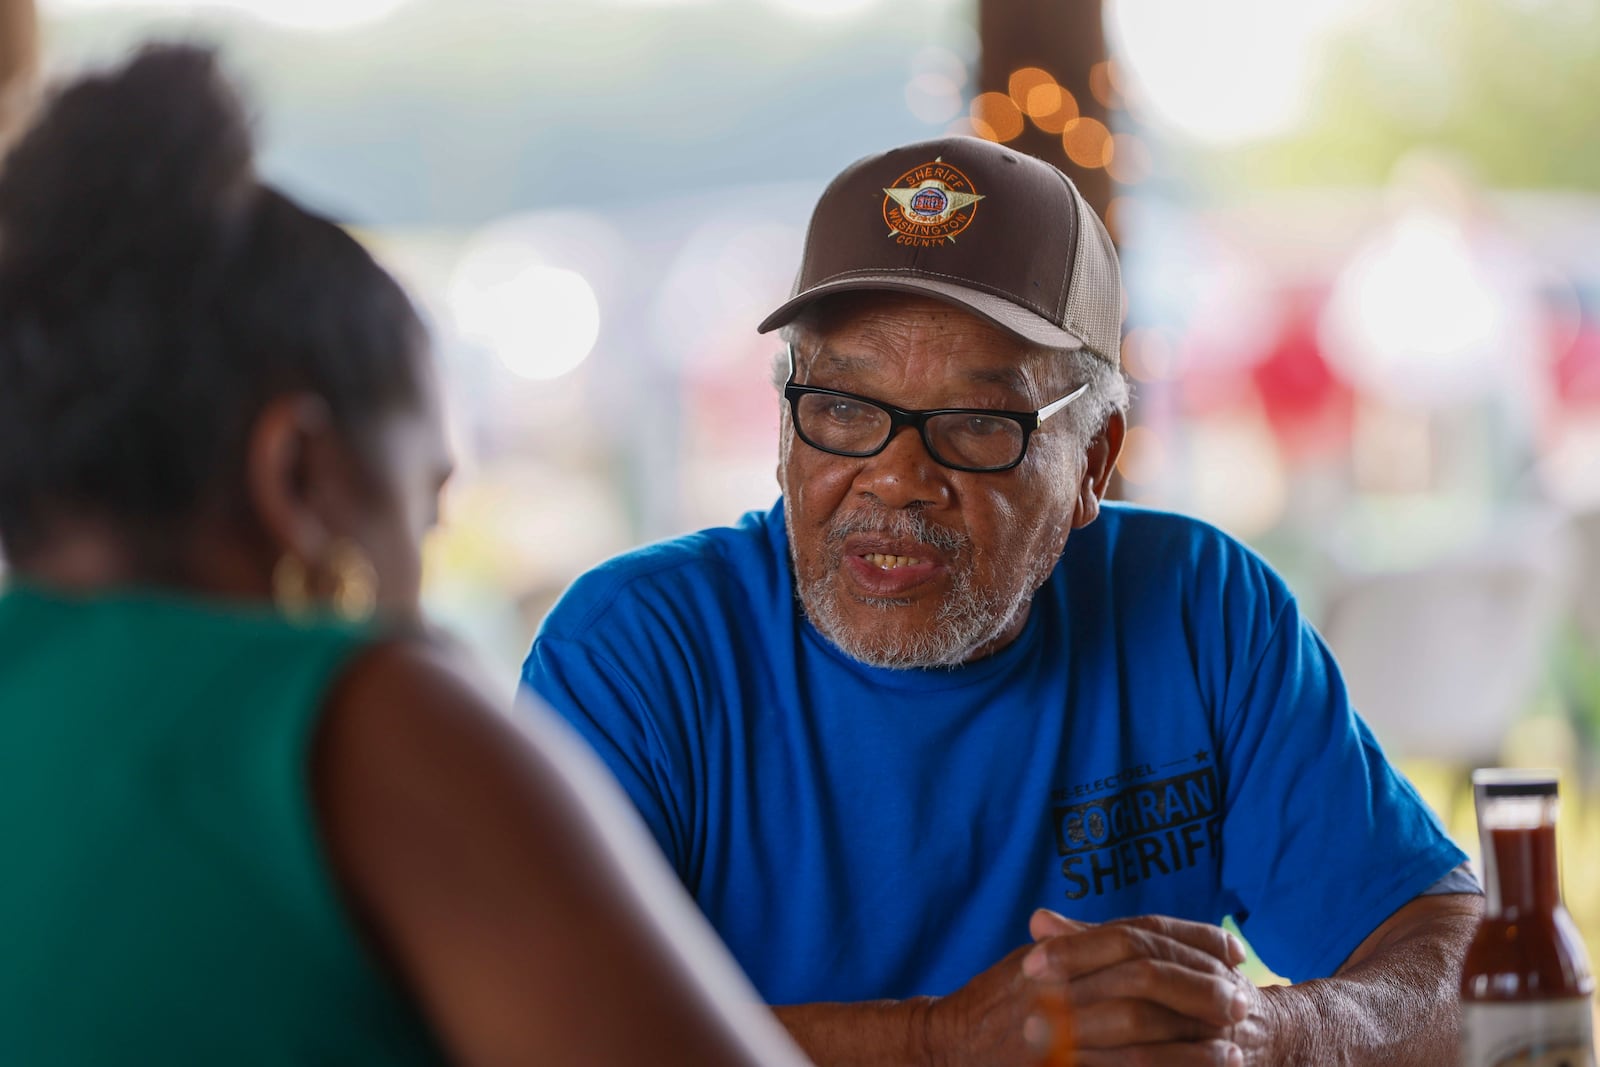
605	708
1324	839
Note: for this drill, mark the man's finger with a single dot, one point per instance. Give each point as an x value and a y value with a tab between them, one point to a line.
1203	936
1213	999
1074	955
1046	923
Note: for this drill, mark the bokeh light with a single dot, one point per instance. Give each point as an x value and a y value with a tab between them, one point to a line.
539	320
1128	159
1144	458
1415	316
1102	85
1052	108
1058	122
1039	96
933	98
1086	142
1024	81
996	117
934	90
942	59
1224	71
1149	354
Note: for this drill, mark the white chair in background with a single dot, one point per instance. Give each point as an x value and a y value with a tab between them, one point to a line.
1440	661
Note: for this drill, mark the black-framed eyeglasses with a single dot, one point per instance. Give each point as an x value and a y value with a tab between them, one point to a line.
979	440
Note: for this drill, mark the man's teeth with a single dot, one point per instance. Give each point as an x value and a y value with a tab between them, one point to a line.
878	559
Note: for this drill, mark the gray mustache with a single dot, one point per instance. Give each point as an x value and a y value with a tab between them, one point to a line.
895	525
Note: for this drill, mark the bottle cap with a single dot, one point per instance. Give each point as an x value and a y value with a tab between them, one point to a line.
1515	782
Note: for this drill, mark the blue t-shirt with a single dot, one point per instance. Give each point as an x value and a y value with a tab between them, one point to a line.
1167	736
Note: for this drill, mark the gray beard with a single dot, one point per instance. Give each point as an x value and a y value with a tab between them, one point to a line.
969	619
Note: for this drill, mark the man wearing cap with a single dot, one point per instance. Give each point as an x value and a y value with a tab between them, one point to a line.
941	732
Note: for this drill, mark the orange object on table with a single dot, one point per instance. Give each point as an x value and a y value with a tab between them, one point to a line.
1055	1008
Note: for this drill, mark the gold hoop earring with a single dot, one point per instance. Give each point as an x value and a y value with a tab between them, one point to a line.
355	581
291	587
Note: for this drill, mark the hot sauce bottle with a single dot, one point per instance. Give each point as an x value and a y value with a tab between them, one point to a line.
1526	987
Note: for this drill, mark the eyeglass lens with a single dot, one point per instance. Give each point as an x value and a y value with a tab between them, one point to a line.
855	427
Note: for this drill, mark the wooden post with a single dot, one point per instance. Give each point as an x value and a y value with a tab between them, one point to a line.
1067	39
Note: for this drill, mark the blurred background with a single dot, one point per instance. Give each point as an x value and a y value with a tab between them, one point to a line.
1361	241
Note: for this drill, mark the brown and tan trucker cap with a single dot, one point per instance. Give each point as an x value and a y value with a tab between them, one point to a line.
974	224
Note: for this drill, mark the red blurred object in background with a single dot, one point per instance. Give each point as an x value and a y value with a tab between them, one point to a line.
1308	408
1577	372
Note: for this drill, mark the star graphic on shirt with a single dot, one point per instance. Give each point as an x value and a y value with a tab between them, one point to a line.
1202	756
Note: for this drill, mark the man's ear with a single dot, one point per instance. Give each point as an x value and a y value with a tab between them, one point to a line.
785	445
1100	461
291	458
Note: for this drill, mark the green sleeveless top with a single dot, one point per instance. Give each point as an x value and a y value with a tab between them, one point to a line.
164	898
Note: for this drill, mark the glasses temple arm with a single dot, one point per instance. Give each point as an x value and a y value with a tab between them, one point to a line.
1056	405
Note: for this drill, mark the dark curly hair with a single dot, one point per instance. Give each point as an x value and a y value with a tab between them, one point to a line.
155	295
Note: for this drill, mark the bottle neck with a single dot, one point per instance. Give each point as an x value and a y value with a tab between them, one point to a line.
1523	879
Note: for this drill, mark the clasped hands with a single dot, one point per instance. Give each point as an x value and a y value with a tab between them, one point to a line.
1146	990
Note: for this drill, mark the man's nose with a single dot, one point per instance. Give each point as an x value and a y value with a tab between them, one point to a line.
904	473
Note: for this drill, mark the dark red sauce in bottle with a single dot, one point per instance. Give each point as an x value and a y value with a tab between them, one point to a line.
1526	987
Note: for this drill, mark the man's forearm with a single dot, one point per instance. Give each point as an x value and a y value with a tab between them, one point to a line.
1396	1006
876	1033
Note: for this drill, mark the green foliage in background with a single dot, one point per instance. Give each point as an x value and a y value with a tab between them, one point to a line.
1577	670
1511	87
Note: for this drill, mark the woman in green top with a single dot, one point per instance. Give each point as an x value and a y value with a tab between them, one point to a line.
235	828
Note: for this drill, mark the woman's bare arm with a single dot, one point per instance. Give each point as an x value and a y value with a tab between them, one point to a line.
513	889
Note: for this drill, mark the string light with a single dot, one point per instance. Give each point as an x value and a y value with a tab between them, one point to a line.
1052	111
1103	84
1024	81
996	117
1144	456
1085	141
1039	96
1149	355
